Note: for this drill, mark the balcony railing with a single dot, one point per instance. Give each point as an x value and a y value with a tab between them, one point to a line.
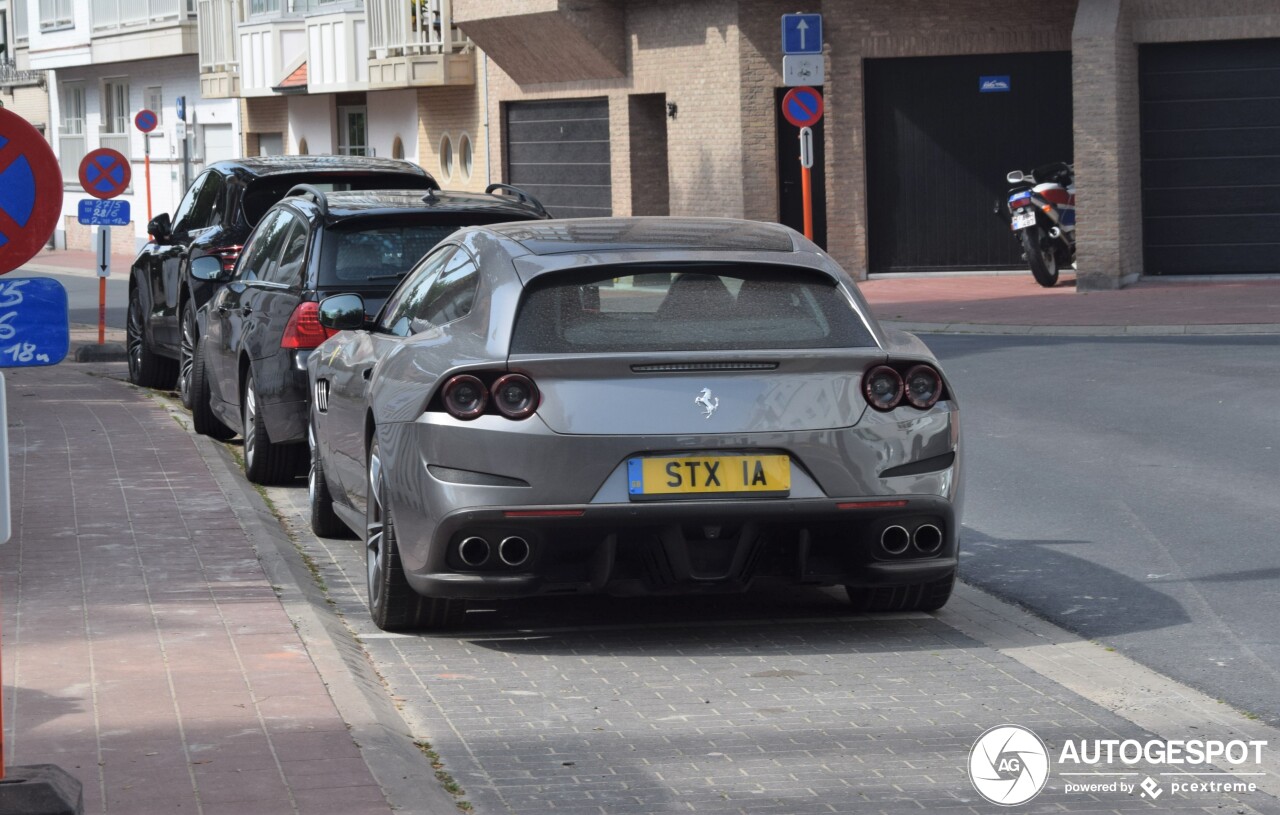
219	40
404	27
113	141
114	14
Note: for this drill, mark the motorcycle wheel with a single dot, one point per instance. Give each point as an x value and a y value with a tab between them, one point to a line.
1043	260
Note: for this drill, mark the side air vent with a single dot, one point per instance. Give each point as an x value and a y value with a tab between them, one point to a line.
321	394
700	367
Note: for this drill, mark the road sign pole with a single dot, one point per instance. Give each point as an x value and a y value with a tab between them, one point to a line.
146	161
104	269
806	178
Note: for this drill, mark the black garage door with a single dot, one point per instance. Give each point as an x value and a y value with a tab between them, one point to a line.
938	150
559	151
1211	157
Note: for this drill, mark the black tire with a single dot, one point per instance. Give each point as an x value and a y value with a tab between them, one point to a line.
1041	256
918	597
146	368
324	521
393	604
190	338
203	419
265	462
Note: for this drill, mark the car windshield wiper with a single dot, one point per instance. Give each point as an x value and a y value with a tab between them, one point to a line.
387	276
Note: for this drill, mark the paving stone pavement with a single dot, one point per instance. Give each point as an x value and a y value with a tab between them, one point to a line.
145	652
759	704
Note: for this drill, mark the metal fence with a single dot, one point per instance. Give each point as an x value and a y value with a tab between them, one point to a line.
109	14
219	42
403	27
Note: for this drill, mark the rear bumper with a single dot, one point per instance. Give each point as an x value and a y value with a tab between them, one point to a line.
685	547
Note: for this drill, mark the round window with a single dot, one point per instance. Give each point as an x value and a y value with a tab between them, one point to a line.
464	156
446	157
397	148
302	147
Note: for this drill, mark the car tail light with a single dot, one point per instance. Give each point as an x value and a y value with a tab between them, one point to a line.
515	396
923	387
465	397
882	387
303	331
228	255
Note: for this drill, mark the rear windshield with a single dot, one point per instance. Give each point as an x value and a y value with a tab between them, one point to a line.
264	192
377	254
685	307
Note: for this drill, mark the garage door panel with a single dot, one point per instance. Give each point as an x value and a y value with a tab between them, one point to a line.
1184	260
1217	113
555	173
1214	229
584	153
1211	156
558	150
562	131
1218	143
1248	84
1207	172
1198	200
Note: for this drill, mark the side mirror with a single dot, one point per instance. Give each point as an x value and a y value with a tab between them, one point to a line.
207	267
342	312
1015	177
159	227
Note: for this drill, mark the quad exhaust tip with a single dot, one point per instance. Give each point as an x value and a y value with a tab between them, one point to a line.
895	539
927	538
473	551
513	551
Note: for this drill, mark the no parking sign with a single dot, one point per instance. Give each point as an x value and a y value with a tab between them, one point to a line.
30	191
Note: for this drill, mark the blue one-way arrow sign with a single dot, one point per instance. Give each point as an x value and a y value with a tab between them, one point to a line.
802	33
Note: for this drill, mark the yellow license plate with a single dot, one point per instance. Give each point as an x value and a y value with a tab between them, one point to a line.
667	476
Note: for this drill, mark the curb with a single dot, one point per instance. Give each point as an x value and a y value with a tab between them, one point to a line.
108	352
1220	329
381	734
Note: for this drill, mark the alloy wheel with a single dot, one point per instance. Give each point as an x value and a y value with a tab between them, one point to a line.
186	353
250	420
133	335
311	473
376	531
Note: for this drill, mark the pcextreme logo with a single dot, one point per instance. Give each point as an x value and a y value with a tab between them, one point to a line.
1008	765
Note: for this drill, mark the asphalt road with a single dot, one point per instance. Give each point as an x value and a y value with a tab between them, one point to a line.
1127	489
82	296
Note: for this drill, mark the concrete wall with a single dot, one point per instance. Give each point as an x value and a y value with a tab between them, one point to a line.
455	112
312	118
392	115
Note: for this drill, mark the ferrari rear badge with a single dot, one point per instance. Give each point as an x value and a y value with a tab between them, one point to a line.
708	402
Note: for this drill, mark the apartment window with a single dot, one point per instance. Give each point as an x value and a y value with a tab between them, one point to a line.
71	143
153	100
352	131
19	23
115	106
55	14
4	35
264	6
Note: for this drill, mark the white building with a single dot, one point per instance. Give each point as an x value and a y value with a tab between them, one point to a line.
391	78
108	59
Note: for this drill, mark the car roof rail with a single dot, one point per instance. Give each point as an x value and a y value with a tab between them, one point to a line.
523	196
314	193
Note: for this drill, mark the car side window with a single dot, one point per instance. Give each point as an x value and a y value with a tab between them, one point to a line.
264	244
205	207
182	215
410	294
293	255
453	293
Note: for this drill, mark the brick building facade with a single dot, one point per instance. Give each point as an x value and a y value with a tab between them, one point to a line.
704	74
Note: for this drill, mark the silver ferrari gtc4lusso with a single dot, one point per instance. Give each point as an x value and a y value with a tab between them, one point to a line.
631	406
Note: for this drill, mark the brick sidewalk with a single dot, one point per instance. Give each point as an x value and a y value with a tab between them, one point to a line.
145	651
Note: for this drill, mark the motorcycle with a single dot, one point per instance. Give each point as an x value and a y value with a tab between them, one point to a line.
1042	211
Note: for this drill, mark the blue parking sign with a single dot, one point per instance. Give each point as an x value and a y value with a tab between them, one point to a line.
33	322
802	33
111	212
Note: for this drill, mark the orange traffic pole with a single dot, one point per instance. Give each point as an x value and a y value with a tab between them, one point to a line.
102	310
147	164
806	192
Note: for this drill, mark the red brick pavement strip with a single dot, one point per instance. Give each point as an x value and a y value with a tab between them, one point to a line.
145	651
1017	300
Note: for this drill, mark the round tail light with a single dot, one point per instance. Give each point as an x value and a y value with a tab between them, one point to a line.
923	387
882	387
465	397
515	396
